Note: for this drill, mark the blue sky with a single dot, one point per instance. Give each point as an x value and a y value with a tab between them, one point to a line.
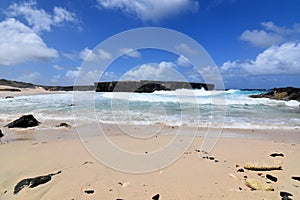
254	43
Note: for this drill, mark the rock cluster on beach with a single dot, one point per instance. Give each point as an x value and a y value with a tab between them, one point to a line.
287	93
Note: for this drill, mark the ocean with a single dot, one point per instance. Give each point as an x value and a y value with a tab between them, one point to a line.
195	108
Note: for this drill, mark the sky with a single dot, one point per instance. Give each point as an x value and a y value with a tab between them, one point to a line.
253	43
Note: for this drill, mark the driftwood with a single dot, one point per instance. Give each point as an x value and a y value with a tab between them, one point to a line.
262	167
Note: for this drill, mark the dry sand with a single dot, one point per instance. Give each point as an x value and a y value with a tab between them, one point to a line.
24	91
35	152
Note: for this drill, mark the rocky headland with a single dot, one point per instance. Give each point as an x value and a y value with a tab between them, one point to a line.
148	86
286	94
18	84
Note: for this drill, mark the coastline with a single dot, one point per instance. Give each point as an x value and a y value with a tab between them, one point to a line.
48	149
23	91
190	177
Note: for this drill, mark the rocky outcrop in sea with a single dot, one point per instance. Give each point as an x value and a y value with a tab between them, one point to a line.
286	94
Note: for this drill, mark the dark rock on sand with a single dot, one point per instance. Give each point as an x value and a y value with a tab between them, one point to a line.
156	197
24	122
241	170
285	195
1	135
63	125
33	182
297	178
287	93
272	178
89	191
277	155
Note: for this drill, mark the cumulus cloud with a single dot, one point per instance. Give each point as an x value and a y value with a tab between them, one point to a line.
18	44
57	67
31	77
93	56
185	48
271	34
261	38
283	59
153	71
39	19
150	10
183	61
130	52
87	77
276	60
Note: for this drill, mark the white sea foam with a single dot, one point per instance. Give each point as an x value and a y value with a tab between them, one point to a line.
230	108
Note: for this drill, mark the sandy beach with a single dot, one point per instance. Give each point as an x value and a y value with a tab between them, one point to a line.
39	151
206	167
22	91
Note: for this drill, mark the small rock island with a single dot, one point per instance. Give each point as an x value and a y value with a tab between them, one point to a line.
147	86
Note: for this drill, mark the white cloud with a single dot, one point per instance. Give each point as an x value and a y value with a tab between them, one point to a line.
261	38
154	71
39	19
185	48
87	77
130	52
92	56
57	67
72	73
30	78
183	61
282	59
19	44
270	35
61	15
150	10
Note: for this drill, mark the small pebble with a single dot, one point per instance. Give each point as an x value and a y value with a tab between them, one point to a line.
241	170
272	178
277	154
297	178
89	191
156	197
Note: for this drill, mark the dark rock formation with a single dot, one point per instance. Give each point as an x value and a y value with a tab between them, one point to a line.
156	197
145	86
9	97
241	170
277	154
33	182
285	195
1	135
297	178
272	178
89	191
63	125
24	122
287	93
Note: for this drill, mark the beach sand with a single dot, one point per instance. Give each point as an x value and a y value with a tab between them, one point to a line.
41	151
23	91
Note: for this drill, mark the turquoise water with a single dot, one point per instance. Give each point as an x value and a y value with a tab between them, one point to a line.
231	108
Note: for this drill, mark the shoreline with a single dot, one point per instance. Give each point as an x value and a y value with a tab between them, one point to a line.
189	177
